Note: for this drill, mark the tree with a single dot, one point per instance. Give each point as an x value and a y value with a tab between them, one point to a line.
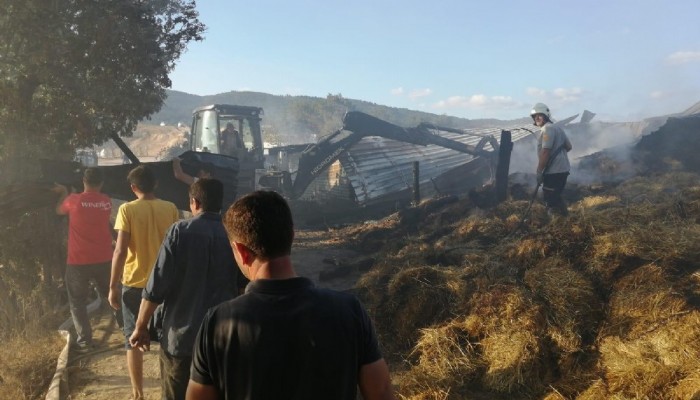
73	72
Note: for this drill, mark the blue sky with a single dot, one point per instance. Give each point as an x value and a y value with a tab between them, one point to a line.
623	59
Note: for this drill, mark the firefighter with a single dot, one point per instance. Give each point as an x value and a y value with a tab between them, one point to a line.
552	160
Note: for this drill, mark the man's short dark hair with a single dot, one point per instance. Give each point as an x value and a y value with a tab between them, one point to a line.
143	178
93	177
209	193
262	221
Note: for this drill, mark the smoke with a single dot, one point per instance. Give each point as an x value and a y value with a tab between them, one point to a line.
602	152
591	138
587	167
524	156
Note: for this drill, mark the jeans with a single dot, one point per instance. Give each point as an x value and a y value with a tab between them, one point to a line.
78	279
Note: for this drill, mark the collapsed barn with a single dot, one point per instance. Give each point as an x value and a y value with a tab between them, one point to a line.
378	169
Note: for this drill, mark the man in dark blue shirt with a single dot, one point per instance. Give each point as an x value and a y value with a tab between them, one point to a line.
195	271
284	338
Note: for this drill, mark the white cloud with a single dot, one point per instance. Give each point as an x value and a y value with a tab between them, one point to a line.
683	57
561	95
412	94
536	92
657	94
418	93
477	101
568	95
397	91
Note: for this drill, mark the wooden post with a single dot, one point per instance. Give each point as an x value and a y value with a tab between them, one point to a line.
416	183
503	166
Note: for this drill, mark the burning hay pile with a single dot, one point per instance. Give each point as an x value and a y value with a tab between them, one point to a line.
602	304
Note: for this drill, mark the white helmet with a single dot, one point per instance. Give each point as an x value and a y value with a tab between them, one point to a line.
541	108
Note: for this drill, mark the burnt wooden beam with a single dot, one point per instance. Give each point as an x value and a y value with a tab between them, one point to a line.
503	166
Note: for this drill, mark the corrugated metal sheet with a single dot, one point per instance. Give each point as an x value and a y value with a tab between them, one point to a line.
378	168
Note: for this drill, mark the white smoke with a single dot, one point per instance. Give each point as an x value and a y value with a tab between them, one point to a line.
586	139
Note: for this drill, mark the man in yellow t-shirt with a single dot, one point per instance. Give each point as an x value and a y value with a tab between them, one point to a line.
141	225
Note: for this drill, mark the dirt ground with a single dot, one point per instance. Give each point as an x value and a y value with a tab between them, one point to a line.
102	374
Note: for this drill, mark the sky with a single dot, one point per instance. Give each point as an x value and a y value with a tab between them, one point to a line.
622	59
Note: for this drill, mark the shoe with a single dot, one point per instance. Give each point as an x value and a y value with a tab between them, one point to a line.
82	348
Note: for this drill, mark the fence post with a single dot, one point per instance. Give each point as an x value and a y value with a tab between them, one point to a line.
503	166
416	183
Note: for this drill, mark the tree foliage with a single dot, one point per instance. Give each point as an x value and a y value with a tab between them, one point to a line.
72	72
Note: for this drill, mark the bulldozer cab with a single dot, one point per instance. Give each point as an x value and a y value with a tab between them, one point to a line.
229	130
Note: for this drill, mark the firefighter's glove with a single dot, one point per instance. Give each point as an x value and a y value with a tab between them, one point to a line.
540	177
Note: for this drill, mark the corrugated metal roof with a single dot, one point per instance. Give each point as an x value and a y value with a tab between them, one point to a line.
378	167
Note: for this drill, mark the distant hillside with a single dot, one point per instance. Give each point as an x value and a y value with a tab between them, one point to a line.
303	119
298	118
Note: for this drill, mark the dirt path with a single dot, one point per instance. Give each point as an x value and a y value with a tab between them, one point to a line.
102	374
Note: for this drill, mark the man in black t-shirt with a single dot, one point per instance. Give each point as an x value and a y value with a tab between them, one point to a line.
284	338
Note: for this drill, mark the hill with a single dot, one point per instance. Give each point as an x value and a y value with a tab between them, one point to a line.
301	119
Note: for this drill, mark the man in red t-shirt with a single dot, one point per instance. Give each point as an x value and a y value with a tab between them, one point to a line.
89	249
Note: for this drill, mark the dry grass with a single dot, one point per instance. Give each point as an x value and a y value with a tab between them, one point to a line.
596	391
572	306
512	357
489	347
446	359
27	365
675	244
687	388
418	297
661	362
642	300
485	230
596	202
528	251
600	305
428	394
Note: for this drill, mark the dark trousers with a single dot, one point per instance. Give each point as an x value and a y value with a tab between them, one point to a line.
78	279
552	187
174	375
